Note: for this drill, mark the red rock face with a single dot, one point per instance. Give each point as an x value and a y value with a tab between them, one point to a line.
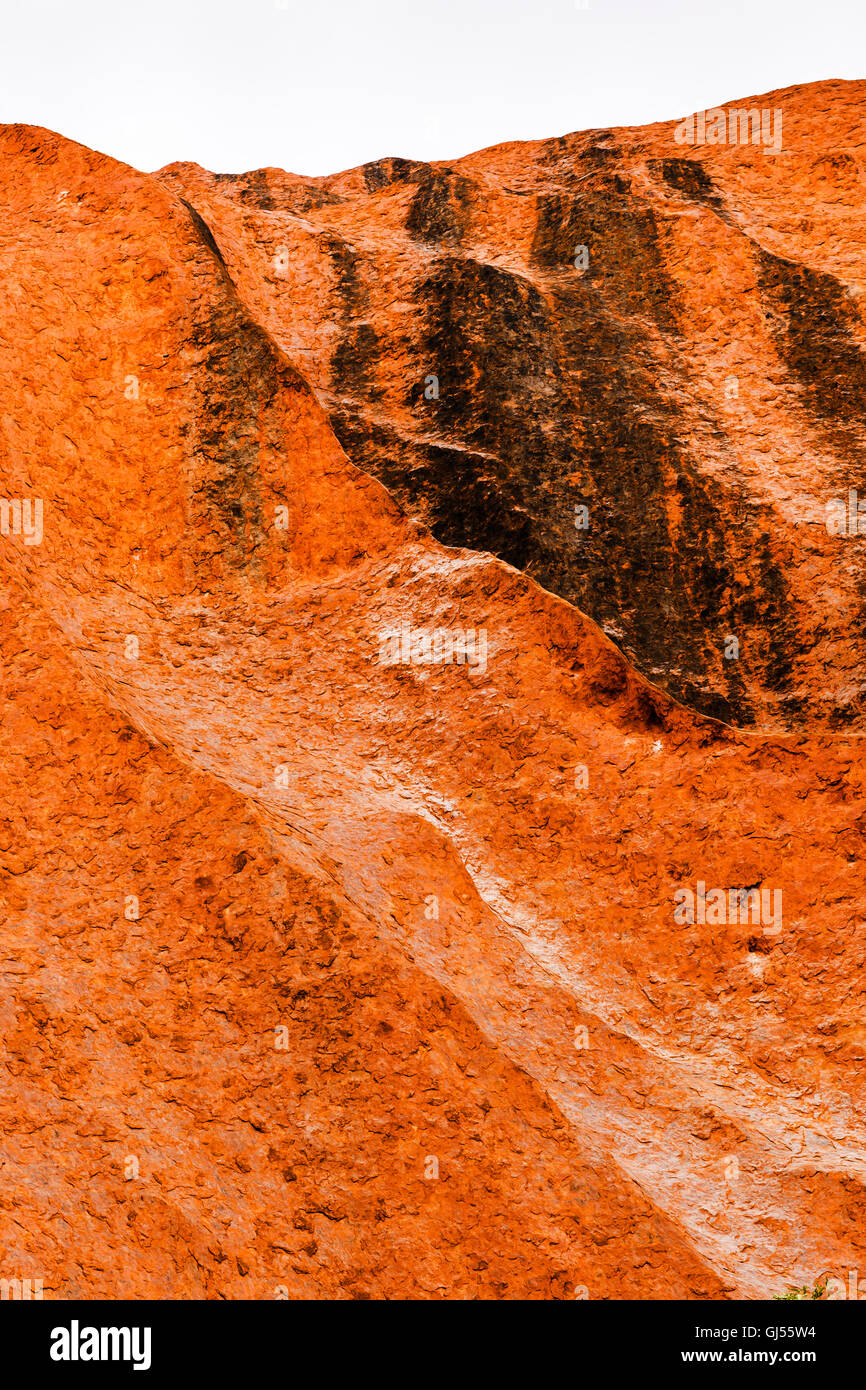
667	334
337	968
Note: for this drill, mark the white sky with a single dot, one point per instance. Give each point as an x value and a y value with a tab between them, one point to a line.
318	87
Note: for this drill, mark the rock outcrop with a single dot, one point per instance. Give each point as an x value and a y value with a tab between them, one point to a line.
668	335
339	968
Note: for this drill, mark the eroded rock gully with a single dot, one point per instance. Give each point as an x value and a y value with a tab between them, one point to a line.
332	978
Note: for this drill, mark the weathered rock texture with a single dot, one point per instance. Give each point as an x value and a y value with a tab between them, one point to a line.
328	978
700	387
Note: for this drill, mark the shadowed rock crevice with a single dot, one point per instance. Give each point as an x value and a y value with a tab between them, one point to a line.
205	234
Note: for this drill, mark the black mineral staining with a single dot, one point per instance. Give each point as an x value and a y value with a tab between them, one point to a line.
550	397
439	210
814	320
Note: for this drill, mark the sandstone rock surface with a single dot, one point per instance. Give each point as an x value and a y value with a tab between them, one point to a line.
332	978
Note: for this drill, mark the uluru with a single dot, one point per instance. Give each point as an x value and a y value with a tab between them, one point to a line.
433	651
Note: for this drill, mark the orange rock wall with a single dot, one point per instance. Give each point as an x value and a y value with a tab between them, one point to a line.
327	978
